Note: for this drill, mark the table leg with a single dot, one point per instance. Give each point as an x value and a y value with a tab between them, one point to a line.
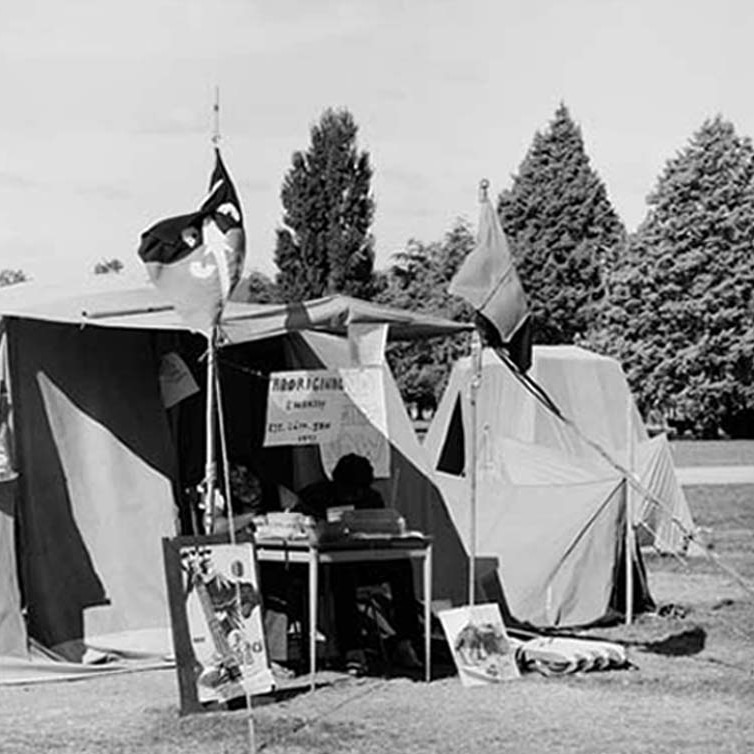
313	574
428	613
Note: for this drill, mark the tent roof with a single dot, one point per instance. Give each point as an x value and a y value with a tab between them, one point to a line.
118	303
569	353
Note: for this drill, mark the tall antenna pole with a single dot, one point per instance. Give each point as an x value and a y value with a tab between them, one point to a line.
210	467
216	119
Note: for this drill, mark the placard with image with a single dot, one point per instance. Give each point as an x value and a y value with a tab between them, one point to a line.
216	614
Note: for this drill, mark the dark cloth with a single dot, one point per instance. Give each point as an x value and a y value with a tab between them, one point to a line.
318	497
346	578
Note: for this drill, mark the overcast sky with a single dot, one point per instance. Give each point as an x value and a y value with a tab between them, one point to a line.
105	107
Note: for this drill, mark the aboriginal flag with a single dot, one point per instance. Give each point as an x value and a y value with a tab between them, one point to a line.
196	260
488	280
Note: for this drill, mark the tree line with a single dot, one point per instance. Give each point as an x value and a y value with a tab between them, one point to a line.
672	301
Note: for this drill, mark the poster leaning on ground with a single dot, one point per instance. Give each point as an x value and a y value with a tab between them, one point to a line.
482	650
216	616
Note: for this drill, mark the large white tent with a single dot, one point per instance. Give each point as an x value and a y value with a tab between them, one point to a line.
542	488
101	461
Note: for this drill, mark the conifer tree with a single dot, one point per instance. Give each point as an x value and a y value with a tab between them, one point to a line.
680	310
11	277
563	231
325	245
418	280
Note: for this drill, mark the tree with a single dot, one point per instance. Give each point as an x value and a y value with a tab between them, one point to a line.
256	288
680	314
325	246
418	281
107	266
563	231
11	277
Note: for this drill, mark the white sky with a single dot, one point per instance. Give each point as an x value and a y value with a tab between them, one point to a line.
105	107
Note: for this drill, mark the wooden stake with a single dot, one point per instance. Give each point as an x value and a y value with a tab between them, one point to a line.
209	459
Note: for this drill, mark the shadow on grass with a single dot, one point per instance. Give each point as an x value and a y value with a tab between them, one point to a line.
688	642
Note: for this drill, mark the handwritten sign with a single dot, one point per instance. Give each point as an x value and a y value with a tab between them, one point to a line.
303	407
341	410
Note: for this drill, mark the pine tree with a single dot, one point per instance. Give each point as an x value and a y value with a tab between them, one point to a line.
256	288
108	266
418	280
563	231
11	277
325	246
680	311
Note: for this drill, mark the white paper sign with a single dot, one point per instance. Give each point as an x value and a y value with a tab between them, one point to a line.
366	343
363	423
341	410
303	407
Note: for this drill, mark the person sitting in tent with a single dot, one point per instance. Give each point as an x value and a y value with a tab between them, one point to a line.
351	487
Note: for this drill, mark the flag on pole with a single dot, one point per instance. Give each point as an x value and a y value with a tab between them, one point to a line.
487	279
196	260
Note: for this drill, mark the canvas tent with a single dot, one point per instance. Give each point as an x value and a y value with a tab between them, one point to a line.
101	463
550	509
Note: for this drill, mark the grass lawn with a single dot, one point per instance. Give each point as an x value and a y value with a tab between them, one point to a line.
713	452
692	688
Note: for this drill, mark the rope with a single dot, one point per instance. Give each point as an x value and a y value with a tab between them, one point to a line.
251	732
244	369
322	715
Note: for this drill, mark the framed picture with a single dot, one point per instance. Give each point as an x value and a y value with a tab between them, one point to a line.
216	618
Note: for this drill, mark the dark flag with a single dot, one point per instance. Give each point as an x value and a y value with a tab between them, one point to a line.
196	260
487	279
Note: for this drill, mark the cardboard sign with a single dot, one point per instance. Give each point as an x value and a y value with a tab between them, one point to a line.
363	422
176	380
341	410
303	407
216	615
366	343
479	643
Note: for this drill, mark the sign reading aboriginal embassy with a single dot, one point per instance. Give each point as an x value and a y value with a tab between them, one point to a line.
326	407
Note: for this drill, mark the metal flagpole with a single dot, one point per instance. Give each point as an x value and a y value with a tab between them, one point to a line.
215	383
210	466
476	379
630	536
209	461
216	119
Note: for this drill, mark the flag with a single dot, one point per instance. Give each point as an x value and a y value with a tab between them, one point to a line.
196	260
487	279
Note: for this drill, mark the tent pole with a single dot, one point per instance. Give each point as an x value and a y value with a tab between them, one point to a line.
630	538
209	461
476	379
